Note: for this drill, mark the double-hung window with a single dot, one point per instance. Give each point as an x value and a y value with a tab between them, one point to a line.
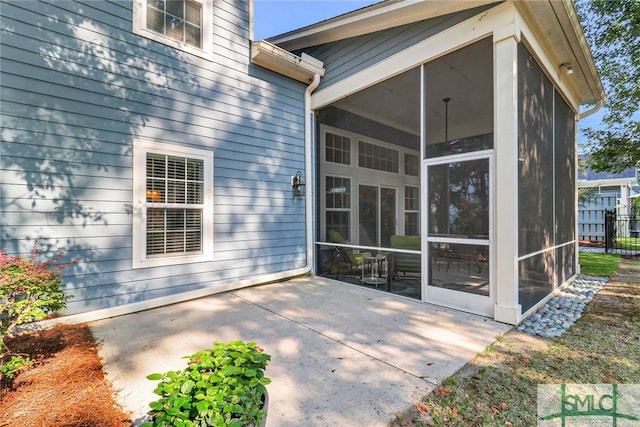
184	24
173	205
338	205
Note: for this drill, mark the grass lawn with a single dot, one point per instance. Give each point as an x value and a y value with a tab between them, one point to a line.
499	386
596	264
629	243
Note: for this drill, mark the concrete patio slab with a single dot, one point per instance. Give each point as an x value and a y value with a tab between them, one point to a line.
342	355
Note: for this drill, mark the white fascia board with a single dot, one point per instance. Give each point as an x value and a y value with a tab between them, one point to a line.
449	40
302	68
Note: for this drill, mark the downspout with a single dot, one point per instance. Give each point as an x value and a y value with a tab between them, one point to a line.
307	70
308	123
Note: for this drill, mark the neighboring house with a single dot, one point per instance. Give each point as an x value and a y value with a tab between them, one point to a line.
170	162
601	191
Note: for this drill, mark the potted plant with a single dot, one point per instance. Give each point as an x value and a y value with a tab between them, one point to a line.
222	386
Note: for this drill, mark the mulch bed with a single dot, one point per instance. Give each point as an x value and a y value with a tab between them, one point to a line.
590	244
65	387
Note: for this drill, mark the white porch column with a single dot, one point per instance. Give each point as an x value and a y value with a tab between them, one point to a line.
505	232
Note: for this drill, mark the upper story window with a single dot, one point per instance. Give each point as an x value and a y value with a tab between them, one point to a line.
183	24
174	198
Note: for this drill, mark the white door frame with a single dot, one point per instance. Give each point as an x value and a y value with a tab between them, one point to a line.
483	305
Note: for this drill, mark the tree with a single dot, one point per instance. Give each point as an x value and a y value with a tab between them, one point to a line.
612	28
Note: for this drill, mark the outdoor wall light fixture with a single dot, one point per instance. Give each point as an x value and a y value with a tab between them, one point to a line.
297	184
567	68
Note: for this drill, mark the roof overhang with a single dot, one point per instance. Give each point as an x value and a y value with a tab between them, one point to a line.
302	68
555	22
558	26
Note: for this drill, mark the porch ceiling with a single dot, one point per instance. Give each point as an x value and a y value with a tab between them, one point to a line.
394	102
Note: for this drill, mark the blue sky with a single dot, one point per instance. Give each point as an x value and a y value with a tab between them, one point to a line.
274	17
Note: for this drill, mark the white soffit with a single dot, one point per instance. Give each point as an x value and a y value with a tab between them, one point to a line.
302	68
560	32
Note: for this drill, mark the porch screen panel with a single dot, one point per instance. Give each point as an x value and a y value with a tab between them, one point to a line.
537	275
565	263
369	165
535	156
459	101
565	172
459	199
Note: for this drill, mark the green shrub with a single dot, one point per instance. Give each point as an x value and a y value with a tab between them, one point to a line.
30	290
223	386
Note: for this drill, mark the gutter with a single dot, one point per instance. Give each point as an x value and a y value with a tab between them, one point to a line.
302	68
593	110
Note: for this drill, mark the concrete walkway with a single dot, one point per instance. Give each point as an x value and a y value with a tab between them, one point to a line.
342	355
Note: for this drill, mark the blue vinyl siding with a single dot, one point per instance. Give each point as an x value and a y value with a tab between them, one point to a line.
78	87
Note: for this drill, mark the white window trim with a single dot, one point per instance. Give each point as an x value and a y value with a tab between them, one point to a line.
140	28
139	257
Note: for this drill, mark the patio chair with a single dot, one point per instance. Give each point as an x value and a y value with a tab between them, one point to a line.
344	258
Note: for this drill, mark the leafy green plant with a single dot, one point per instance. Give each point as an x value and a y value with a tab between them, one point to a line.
222	386
30	291
12	364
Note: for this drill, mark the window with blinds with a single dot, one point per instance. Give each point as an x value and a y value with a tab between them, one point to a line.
175	199
172	204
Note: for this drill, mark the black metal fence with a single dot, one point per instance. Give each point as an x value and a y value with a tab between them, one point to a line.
622	232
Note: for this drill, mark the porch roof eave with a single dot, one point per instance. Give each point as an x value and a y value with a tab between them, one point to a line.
555	21
379	16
